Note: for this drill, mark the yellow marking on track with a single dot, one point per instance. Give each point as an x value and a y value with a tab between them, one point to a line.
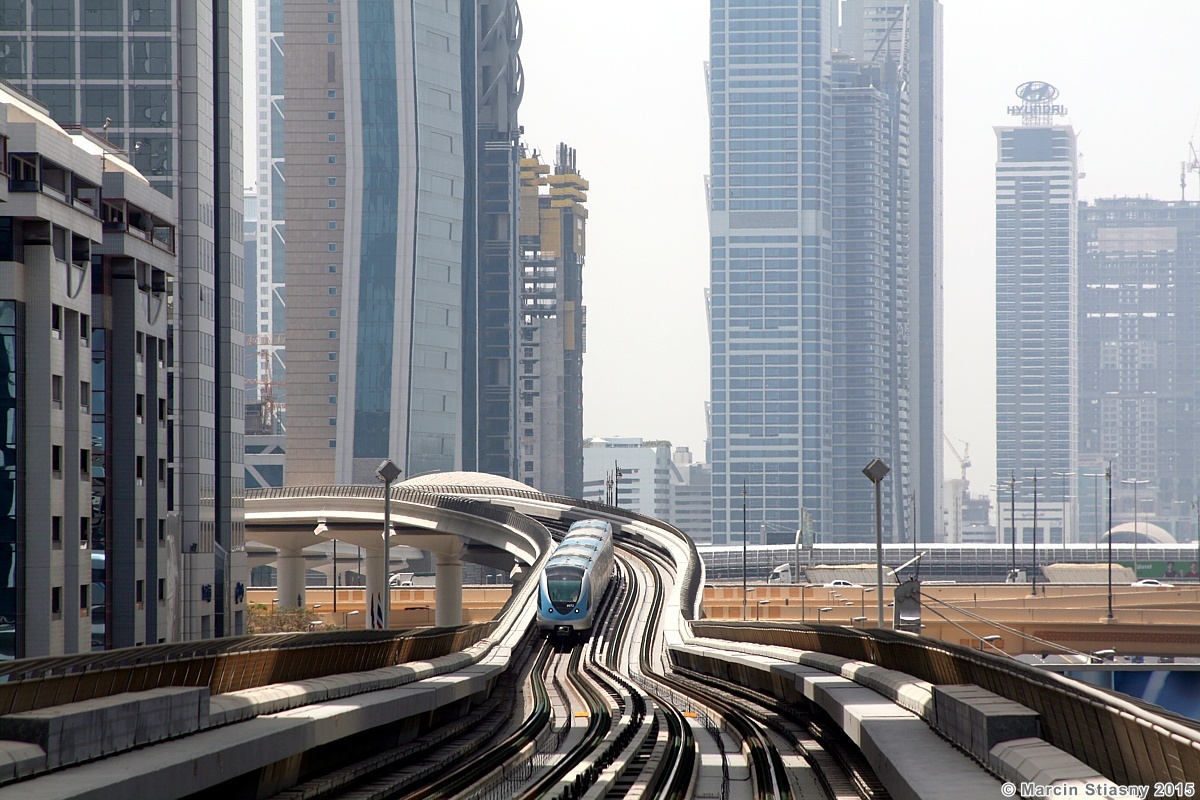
691	714
582	714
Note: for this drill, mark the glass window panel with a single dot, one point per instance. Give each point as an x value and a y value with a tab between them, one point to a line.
150	57
101	15
57	15
101	103
12	56
150	15
54	58
60	100
151	107
103	57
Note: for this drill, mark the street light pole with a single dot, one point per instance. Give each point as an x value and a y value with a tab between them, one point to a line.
616	485
379	612
1136	482
1108	478
914	527
876	471
1035	532
1064	475
1012	518
1095	476
743	550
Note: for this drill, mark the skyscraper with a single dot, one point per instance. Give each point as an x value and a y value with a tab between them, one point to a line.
871	302
400	151
1036	307
163	82
553	324
1139	263
812	309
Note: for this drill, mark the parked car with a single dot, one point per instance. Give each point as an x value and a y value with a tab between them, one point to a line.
842	585
1150	582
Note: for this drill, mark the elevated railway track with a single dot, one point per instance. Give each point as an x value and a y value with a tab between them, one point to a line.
494	711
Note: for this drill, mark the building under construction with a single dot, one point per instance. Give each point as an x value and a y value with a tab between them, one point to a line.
553	324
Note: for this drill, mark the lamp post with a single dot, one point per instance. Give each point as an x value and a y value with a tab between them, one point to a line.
380	601
1064	475
862	598
876	471
1108	477
1136	482
758	614
821	611
743	550
1095	476
335	576
799	536
858	620
914	523
1196	505
616	485
1035	532
1012	517
346	615
995	637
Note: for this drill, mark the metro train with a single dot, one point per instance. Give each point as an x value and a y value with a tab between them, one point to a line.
573	582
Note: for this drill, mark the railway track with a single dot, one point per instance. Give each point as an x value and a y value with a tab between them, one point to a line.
609	718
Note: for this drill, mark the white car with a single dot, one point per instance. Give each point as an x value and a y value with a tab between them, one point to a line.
1151	582
840	584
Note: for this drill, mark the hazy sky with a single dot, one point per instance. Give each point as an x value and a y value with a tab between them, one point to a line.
623	83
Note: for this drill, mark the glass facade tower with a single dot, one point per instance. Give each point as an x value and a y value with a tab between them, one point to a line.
814	327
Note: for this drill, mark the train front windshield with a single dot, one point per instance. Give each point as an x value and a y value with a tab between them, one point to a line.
564	584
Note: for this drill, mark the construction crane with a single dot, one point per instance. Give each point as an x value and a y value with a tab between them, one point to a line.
271	410
964	460
1191	165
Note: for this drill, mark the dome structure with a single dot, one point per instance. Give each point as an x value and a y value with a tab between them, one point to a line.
1147	533
464	479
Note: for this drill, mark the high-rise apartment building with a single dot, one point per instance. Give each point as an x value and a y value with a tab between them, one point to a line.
162	81
400	151
553	324
1036	314
691	496
87	250
812	303
630	473
908	35
1139	263
871	302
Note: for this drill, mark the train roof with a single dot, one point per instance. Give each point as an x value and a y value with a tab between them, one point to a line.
591	524
569	560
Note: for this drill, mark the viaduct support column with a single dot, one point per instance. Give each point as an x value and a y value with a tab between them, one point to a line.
378	592
448	579
289	566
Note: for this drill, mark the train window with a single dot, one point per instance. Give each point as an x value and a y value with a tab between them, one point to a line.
564	584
